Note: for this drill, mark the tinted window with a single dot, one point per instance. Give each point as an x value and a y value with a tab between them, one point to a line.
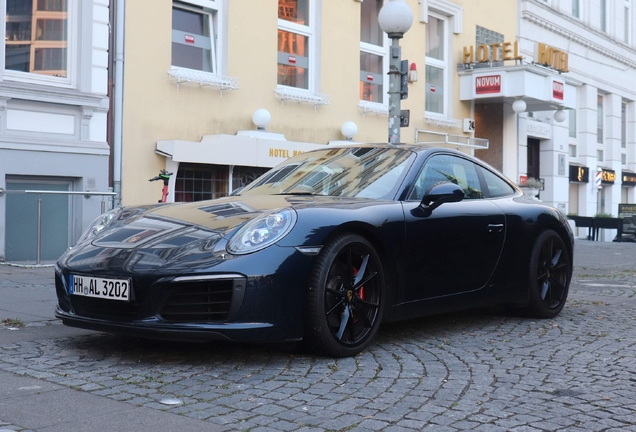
497	187
447	168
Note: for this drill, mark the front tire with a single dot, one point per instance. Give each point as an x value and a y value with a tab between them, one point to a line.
345	297
549	276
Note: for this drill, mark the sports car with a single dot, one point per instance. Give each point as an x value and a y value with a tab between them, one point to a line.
322	249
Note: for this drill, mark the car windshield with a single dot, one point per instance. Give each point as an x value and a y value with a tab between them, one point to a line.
366	172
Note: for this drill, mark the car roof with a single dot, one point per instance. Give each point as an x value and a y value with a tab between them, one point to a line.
416	148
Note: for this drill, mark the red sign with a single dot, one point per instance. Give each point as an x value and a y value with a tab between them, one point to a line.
432	89
189	39
292	59
558	88
369	77
488	84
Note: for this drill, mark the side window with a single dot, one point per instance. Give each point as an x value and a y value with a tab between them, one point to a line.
447	168
497	187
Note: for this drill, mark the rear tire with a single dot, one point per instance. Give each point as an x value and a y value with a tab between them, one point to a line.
345	297
549	276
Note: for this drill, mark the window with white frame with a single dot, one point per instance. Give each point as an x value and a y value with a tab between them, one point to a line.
576	11
372	53
295	34
599	155
194	35
436	64
599	119
603	16
37	44
624	125
623	158
572	123
628	21
572	150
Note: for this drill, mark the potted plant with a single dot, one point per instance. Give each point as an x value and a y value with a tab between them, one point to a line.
531	187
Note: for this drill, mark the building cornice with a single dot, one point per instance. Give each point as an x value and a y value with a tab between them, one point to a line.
38	93
560	31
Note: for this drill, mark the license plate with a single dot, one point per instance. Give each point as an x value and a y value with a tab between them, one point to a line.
112	289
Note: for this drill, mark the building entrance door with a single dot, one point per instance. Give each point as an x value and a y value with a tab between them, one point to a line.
534	166
22	220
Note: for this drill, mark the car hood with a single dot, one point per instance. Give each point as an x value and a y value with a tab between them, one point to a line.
174	224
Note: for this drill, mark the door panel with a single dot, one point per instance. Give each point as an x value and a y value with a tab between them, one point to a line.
453	250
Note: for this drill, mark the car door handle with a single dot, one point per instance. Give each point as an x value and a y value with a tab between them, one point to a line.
495	228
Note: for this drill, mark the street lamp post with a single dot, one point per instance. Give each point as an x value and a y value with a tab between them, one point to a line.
395	19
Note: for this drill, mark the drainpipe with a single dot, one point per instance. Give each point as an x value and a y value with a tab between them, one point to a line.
119	96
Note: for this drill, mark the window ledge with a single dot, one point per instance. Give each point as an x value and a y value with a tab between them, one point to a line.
203	78
373	107
299	95
444	121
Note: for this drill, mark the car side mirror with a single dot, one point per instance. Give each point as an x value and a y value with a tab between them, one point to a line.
437	195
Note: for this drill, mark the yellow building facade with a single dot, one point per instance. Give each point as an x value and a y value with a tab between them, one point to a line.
217	91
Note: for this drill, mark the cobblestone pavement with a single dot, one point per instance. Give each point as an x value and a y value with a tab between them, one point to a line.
480	371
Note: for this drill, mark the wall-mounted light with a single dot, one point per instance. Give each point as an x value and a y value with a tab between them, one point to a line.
413	73
519	105
261	118
559	115
349	129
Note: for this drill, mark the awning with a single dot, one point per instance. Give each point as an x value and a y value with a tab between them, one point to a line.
542	89
248	148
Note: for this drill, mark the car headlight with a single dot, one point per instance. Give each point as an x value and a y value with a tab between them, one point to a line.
99	224
262	231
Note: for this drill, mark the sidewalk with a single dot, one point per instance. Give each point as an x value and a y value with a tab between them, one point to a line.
27	305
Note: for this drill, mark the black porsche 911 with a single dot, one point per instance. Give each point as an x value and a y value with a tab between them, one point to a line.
322	249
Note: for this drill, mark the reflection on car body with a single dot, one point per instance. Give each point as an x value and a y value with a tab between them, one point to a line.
324	248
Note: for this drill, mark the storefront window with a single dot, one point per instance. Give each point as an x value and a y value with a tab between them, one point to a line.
196	182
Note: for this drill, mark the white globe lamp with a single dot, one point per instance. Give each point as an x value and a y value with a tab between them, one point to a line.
261	118
348	130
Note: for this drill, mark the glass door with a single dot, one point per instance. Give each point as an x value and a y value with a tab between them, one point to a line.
22	220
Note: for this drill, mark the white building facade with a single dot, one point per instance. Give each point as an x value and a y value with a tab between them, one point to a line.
587	161
53	123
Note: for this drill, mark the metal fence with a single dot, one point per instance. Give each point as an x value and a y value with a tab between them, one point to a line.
39	207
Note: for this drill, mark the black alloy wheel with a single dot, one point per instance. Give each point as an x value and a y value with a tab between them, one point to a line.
549	278
344	302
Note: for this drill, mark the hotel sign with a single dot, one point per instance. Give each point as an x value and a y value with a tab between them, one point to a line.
544	55
490	52
488	84
558	90
550	57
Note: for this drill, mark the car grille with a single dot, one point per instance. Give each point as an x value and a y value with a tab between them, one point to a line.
105	309
199	301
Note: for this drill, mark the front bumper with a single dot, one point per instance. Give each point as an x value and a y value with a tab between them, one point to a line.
220	302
